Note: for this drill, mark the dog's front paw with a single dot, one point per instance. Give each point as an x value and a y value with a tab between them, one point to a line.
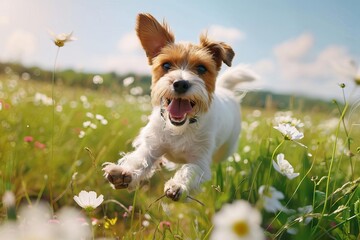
117	175
175	191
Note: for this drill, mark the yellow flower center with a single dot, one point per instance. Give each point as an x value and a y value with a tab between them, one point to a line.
241	228
59	43
357	80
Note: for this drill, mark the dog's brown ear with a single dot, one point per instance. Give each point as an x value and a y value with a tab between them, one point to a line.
153	35
221	52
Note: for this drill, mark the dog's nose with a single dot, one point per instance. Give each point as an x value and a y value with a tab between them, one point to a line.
181	86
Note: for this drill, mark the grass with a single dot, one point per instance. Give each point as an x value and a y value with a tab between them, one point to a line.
57	164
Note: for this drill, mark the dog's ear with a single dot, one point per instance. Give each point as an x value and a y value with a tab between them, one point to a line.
221	52
153	35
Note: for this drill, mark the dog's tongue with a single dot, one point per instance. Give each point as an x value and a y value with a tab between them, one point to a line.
179	107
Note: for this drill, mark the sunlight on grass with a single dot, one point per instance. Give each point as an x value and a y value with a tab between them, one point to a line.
95	126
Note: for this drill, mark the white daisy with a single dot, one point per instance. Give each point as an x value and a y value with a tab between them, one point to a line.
62	38
289	132
284	167
238	220
128	81
88	200
8	199
287	118
271	199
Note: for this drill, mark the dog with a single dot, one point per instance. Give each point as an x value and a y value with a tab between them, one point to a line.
195	118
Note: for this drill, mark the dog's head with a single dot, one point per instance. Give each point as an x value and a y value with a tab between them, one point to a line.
183	74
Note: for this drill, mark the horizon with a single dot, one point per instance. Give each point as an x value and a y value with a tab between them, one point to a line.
301	48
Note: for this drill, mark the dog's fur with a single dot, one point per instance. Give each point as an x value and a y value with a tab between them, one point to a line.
195	119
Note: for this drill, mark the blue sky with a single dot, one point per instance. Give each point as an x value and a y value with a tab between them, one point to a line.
295	46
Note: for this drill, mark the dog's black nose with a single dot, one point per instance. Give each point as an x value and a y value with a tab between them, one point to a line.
181	86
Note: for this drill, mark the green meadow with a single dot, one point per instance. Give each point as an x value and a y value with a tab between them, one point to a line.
51	152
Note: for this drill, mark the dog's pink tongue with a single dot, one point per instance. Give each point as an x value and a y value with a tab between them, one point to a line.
179	107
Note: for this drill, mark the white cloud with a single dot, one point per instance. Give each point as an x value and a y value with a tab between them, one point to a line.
20	46
124	63
129	43
130	56
229	35
295	67
295	48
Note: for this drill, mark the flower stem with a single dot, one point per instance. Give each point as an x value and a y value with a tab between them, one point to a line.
133	210
330	168
272	158
52	126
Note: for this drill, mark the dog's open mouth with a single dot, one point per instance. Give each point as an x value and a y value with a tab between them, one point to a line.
178	109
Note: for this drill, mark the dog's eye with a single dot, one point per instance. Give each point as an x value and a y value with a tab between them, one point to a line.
166	66
201	69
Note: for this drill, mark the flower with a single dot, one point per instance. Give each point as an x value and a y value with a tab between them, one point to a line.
300	217
110	222
165	224
8	199
62	38
41	98
28	139
39	145
286	117
145	223
238	220
289	132
305	211
271	199
128	81
284	167
97	79
88	200
37	222
81	134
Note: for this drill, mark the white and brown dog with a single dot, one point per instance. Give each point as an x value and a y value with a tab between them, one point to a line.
195	118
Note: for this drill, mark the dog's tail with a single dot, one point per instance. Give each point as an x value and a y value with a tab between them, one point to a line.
233	77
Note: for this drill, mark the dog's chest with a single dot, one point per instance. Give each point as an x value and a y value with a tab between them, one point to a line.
179	149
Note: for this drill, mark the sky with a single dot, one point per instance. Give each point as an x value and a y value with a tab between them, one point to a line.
296	47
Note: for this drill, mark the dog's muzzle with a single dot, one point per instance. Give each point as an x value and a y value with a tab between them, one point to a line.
178	110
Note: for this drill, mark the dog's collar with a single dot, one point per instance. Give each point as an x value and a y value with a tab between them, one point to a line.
191	120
